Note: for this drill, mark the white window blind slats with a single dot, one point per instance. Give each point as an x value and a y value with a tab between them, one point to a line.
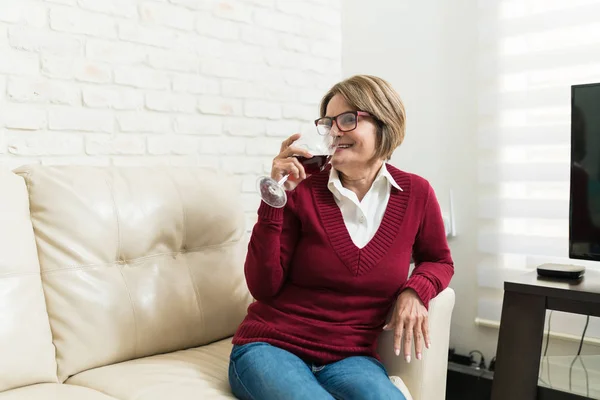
493	207
499	136
516	17
530	52
521	244
494	172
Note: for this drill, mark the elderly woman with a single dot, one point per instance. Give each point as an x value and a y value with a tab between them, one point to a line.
328	268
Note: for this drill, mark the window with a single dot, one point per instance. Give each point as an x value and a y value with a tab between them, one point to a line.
530	52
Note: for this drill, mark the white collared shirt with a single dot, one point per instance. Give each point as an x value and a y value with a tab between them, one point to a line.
362	218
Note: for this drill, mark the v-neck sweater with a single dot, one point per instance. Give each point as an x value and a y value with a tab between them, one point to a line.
321	297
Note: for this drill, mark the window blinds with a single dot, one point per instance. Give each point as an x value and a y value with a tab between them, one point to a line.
530	52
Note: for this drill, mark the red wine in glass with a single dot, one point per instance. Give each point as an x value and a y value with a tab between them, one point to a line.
273	192
314	164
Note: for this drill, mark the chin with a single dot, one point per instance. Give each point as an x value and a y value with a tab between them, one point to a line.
342	166
337	163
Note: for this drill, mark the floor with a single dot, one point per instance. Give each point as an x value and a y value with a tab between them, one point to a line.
582	378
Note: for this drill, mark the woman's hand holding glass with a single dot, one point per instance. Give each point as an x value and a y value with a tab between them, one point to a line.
300	155
286	164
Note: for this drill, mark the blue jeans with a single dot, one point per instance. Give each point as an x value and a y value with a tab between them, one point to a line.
260	371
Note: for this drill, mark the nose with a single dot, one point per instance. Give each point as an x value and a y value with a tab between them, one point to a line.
334	130
335	137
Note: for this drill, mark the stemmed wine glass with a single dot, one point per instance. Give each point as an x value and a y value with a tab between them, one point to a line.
321	148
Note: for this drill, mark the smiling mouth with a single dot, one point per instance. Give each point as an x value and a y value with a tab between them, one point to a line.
344	146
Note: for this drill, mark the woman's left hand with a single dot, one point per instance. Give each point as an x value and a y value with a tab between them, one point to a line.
410	319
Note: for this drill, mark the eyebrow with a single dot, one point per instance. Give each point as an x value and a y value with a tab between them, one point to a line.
343	112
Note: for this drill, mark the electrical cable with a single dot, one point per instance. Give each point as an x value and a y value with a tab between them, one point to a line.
492	364
481	361
548	333
549	383
587	383
587	321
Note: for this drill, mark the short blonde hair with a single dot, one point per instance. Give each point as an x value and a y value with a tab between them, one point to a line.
377	97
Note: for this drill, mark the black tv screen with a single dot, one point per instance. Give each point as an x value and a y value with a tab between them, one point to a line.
584	202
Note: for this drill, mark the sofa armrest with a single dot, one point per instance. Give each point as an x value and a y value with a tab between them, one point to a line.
425	379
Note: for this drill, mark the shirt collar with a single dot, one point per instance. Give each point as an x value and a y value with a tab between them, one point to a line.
335	182
383	172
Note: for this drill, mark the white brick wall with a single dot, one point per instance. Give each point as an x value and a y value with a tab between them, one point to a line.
210	83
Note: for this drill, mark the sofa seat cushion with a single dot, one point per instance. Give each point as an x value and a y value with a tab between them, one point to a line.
399	383
199	373
53	391
185	374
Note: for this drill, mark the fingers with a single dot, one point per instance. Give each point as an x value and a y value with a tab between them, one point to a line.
425	329
282	167
300	173
293	171
418	337
408	338
398	332
289	165
288	142
287	150
411	325
411	329
390	325
295	151
284	163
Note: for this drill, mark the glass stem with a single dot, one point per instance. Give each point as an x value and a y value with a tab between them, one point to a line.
283	180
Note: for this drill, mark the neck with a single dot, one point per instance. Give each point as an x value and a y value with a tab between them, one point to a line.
360	181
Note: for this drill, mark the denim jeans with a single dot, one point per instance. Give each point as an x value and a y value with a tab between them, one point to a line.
260	371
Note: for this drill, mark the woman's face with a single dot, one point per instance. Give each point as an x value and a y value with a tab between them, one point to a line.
355	148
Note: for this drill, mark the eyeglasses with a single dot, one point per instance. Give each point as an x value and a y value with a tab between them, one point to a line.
345	122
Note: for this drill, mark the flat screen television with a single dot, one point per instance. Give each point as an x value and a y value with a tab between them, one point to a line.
584	201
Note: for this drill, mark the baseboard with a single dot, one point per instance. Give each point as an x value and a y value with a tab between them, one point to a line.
555	335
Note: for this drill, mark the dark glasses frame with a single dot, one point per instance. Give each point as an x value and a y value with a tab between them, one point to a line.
335	118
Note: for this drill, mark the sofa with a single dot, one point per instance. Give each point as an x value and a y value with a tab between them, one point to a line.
127	283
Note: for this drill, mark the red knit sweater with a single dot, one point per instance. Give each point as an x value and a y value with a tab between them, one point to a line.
321	297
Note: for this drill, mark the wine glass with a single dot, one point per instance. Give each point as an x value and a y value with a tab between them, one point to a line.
321	148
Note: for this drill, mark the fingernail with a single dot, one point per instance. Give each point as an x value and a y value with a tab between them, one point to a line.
428	344
397	351
418	356
408	359
385	327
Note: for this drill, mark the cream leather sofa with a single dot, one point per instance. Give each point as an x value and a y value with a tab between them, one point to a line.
127	283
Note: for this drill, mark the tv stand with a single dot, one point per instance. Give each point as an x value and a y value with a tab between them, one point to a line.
526	300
